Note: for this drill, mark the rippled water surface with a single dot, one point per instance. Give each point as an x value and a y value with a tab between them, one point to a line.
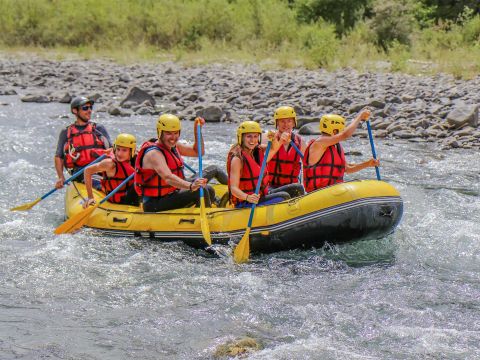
414	294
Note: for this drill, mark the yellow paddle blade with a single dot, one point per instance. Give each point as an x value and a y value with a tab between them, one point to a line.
242	251
204	222
27	206
76	221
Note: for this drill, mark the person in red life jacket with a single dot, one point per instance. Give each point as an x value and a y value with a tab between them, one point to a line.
286	163
115	170
159	169
324	161
81	142
244	162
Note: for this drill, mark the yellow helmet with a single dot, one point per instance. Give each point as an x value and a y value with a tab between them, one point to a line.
248	127
126	140
331	122
168	122
285	112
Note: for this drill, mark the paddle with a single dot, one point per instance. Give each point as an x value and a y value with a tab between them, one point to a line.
296	149
78	220
28	206
242	251
190	168
372	145
203	215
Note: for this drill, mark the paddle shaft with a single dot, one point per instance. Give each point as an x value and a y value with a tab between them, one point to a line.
296	149
259	182
79	219
191	169
199	149
372	145
75	175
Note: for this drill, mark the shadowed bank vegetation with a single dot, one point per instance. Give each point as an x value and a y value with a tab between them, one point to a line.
404	35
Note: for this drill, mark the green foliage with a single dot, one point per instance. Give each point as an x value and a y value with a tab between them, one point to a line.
450	9
393	21
342	13
319	43
291	32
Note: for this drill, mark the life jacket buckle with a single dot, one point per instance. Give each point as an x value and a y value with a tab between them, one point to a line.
71	151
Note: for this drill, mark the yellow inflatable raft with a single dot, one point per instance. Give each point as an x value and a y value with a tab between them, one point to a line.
345	212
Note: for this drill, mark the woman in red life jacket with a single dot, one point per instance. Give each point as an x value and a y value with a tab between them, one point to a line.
244	162
159	175
285	166
324	161
81	142
115	169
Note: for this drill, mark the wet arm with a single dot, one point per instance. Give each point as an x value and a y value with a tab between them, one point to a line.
106	165
157	162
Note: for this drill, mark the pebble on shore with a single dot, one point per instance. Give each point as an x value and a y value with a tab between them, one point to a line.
438	109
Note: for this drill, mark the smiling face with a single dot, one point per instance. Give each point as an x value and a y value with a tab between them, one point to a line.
122	153
286	125
170	138
84	112
250	140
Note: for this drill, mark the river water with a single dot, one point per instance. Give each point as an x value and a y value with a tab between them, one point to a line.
414	294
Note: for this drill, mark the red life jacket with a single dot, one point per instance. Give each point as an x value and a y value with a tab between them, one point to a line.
327	171
284	167
147	181
122	170
250	173
82	146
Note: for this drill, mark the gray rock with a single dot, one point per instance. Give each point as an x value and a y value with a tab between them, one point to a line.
248	91
8	92
407	98
211	113
137	96
35	98
380	134
191	97
451	143
302	120
125	77
395	126
267	78
325	102
355	108
65	99
404	134
380	124
116	111
159	93
143	110
395	100
309	129
463	114
376	103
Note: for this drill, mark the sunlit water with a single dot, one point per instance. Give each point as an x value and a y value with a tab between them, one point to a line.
414	294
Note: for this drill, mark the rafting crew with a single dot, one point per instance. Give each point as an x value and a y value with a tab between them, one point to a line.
81	142
286	162
324	161
159	169
115	169
244	161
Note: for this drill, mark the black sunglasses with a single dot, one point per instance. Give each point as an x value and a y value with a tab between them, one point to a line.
86	107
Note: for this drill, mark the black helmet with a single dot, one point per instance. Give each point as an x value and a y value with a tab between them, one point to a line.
79	101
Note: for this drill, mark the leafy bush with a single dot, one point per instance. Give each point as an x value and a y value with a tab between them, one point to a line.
319	43
393	21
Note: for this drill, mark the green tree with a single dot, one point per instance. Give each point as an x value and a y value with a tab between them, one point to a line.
342	13
451	9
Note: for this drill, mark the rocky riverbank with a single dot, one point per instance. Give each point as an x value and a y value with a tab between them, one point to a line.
438	109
